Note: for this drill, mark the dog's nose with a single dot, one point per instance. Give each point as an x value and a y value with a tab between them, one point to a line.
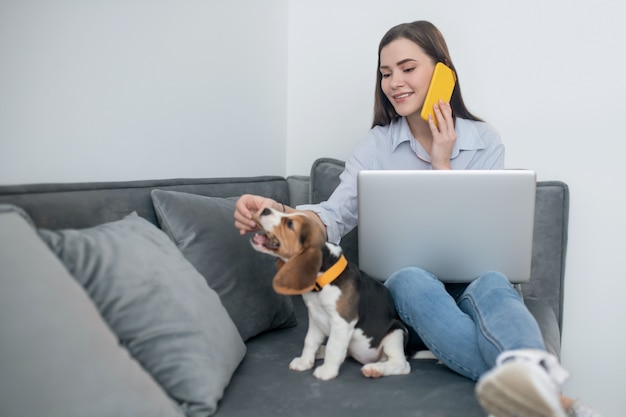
266	211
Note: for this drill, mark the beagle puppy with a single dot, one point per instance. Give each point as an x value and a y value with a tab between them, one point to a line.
355	313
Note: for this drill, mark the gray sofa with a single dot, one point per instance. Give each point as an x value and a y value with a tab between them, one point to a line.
100	315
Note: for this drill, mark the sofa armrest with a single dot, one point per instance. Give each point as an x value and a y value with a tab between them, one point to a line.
549	246
548	323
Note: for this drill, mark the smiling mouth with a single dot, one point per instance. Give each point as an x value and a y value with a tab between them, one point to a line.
402	96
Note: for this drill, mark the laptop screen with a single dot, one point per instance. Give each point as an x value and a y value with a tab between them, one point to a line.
456	224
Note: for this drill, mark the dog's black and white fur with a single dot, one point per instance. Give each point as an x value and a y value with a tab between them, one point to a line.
355	313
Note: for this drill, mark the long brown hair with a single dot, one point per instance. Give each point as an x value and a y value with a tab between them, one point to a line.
430	39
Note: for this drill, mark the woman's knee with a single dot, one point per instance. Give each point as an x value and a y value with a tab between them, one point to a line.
490	282
492	279
410	280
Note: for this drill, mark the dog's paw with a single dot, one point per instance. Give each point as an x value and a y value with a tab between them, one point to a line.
326	372
301	364
378	369
372	370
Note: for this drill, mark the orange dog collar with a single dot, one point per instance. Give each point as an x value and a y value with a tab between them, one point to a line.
331	273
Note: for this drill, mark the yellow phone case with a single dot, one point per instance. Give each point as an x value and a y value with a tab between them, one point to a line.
440	88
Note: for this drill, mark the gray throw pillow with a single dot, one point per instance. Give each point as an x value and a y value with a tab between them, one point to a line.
58	358
203	229
158	305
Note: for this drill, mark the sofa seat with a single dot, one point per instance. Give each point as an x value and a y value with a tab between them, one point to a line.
263	385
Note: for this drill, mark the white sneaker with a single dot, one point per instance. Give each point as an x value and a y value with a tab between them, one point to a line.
524	383
579	409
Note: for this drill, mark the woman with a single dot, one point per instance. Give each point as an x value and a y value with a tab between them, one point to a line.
481	330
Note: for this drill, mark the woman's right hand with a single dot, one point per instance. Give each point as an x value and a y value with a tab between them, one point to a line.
444	136
246	206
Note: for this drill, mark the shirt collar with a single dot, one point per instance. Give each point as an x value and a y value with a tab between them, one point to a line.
468	138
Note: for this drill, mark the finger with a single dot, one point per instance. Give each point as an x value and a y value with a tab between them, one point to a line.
443	112
241	206
244	228
446	114
432	125
242	214
242	221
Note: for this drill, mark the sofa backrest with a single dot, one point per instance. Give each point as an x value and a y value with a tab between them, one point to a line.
549	235
79	205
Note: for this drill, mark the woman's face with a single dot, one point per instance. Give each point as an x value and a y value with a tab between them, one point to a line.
406	72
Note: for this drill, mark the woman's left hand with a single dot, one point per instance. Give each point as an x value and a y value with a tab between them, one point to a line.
444	136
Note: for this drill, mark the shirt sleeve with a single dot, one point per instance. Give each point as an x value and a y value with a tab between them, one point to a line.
339	213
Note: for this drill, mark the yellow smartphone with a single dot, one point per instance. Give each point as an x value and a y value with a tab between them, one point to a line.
440	88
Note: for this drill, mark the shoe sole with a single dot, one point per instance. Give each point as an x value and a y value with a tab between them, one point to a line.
512	391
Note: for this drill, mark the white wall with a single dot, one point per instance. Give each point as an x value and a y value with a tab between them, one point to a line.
122	90
115	90
548	75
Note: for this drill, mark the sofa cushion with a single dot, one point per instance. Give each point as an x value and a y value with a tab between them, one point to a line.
58	358
158	305
203	229
324	176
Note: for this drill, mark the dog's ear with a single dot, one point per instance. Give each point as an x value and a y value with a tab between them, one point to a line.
298	275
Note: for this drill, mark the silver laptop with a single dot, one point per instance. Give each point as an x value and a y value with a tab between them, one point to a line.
456	224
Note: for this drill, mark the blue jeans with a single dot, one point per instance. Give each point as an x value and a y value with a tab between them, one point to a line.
466	326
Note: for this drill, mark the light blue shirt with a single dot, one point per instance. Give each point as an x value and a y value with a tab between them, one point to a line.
478	146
